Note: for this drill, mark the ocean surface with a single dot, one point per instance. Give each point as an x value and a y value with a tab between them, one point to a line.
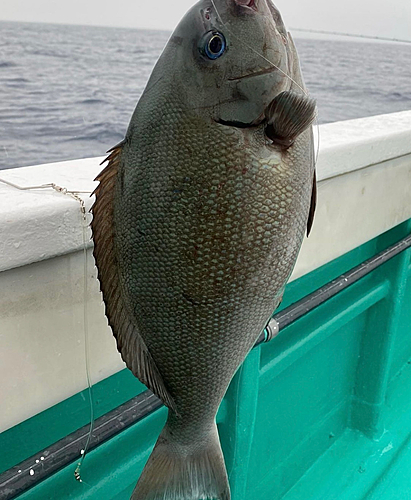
69	91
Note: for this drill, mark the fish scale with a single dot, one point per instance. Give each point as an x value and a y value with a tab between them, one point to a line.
198	221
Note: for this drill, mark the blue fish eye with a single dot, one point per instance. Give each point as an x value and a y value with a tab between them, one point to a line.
213	45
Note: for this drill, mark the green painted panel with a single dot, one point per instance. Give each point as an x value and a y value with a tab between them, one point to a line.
309	399
402	348
356	467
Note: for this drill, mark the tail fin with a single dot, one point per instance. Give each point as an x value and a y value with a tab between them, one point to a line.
184	472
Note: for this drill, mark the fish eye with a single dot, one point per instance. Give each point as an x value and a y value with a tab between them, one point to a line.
213	45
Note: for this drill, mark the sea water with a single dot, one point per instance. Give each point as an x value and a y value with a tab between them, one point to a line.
69	91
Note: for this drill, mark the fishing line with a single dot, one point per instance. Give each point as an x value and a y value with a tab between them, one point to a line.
256	51
352	35
77	472
46	186
305	92
85	225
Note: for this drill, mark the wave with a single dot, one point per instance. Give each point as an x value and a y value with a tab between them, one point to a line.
93	101
399	97
7	64
106	136
50	53
17	80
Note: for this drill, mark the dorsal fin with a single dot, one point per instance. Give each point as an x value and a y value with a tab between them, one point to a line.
129	341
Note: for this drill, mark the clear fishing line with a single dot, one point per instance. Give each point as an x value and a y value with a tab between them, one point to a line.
352	35
256	51
85	225
305	92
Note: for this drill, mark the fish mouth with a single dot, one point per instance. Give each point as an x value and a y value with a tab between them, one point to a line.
255	73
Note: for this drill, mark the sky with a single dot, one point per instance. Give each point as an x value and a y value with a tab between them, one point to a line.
367	17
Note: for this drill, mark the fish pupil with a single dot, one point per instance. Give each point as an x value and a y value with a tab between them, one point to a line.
215	45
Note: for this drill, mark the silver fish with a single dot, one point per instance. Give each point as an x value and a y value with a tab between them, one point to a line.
198	220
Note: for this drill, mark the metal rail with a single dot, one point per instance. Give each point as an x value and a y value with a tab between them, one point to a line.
35	469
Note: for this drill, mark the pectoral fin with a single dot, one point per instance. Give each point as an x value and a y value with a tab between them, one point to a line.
288	115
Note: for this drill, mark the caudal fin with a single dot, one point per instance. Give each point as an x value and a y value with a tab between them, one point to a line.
184	472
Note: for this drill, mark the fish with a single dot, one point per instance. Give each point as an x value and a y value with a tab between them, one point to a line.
198	219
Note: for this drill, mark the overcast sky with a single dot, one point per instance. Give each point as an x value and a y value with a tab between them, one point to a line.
367	17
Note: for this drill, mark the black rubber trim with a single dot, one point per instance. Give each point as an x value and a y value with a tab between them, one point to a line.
40	466
19	479
331	289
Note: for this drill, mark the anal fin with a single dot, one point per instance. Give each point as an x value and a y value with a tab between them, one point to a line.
288	116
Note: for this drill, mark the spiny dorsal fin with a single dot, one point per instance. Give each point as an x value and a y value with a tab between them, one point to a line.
288	115
129	342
